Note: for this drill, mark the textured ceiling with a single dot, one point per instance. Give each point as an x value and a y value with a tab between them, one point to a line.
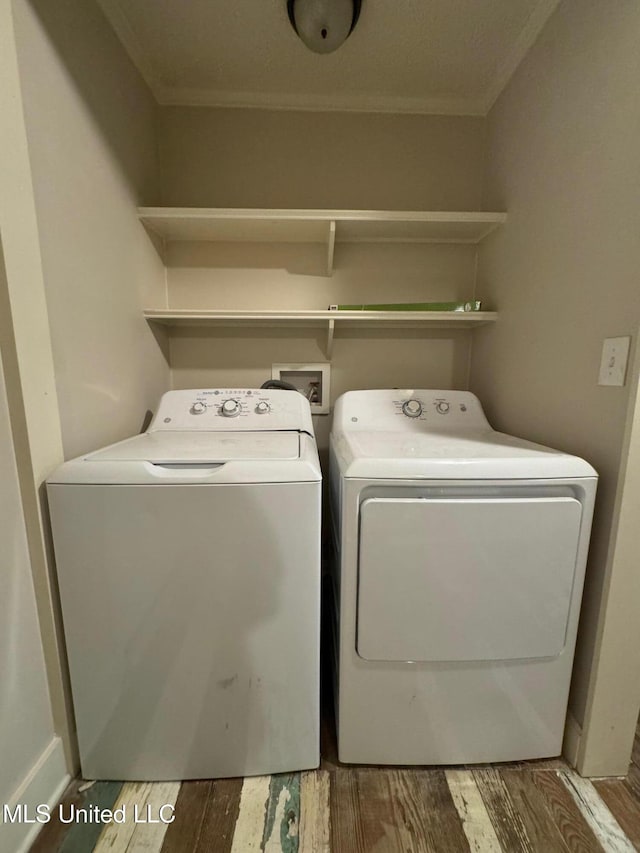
431	56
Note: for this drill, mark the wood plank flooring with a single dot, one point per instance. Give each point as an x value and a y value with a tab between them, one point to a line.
530	807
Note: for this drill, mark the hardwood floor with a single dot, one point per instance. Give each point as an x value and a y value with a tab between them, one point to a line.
534	807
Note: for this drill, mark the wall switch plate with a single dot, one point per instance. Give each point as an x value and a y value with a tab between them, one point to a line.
613	367
311	380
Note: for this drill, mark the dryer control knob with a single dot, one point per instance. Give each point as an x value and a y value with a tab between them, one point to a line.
412	408
230	408
442	407
263	408
198	408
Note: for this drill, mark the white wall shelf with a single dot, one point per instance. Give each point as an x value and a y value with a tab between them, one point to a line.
329	320
319	226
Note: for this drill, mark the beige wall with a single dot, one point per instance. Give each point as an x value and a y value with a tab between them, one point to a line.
289	276
91	130
264	158
562	146
253	158
218	276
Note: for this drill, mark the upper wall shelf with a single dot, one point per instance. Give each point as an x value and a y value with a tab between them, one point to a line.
328	320
319	226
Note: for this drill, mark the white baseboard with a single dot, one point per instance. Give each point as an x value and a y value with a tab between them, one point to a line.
45	783
571	743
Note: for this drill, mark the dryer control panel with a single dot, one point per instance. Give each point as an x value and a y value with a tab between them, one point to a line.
233	409
408	409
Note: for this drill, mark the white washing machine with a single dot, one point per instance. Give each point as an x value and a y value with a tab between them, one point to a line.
461	559
188	560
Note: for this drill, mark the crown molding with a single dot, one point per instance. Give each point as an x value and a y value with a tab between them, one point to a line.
171	96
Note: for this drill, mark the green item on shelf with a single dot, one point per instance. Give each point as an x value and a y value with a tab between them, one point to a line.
474	305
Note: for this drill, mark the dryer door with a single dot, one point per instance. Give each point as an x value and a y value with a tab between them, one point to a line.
465	579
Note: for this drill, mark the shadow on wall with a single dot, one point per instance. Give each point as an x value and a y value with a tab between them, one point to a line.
309	259
287	158
362	358
81	37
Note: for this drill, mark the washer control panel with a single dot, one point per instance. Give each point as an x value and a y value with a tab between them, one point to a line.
412	408
233	409
408	409
230	408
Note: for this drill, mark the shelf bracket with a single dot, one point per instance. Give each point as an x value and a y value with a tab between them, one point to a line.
330	331
331	242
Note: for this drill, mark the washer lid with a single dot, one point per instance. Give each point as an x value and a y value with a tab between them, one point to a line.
451	454
198	458
179	448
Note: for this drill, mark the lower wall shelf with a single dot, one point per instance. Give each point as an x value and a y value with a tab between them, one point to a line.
324	319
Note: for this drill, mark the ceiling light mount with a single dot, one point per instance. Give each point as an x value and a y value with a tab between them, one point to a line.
323	25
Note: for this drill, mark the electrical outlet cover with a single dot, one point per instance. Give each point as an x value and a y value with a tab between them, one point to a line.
613	366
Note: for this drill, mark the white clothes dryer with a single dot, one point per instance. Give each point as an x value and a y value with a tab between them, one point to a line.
461	554
188	561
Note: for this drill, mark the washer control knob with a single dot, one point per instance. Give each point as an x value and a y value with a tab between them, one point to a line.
263	408
198	408
412	408
442	407
230	408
